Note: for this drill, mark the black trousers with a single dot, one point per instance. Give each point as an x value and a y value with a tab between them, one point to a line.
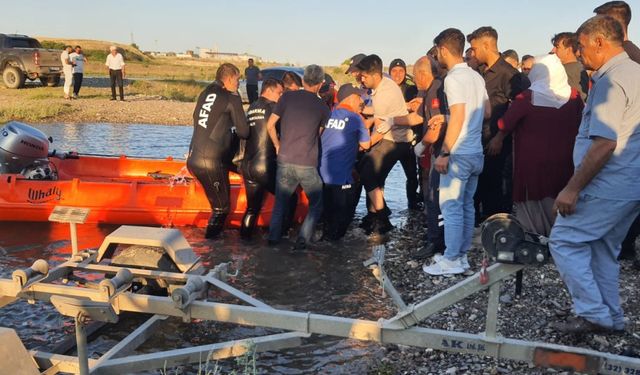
410	168
377	163
435	220
252	93
494	185
116	78
337	211
77	83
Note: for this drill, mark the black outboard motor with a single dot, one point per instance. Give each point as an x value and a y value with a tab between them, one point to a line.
24	150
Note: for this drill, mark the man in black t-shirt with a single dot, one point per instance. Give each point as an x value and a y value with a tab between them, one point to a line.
302	116
503	82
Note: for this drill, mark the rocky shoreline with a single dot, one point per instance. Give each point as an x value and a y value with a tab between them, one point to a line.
544	300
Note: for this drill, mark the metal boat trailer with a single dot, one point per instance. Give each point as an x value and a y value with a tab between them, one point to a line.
187	288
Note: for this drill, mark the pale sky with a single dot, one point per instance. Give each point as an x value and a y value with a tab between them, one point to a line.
302	32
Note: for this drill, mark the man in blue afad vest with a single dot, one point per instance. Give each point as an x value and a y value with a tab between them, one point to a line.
344	134
602	198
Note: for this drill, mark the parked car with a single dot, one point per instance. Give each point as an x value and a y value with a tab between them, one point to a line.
22	58
327	91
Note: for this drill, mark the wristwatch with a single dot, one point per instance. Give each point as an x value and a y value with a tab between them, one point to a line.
444	154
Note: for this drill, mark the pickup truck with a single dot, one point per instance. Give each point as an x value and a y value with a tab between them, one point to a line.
22	58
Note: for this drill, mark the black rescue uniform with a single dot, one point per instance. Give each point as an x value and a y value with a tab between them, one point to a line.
218	121
408	161
434	102
259	166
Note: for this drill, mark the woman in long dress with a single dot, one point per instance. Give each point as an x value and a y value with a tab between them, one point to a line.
544	121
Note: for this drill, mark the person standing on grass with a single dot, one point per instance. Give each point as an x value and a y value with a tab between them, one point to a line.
302	115
78	59
67	70
461	159
115	63
252	76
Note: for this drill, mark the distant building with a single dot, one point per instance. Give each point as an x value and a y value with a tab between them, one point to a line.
208	53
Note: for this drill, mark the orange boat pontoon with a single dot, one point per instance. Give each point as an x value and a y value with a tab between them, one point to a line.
123	190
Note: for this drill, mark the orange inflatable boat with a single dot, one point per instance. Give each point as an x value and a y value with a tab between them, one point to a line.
122	190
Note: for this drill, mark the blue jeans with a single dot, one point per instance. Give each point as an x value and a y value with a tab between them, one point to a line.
585	248
457	188
288	177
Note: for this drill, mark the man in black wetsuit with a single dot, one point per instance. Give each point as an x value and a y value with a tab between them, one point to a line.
218	120
260	159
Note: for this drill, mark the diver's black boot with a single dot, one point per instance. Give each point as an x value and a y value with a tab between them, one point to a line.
215	225
248	226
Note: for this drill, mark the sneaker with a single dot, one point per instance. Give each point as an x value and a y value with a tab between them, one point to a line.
579	325
112	99
464	260
444	267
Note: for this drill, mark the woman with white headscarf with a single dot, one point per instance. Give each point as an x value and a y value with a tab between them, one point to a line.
544	120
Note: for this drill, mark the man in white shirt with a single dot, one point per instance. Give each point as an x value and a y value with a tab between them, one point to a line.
77	59
461	159
115	63
391	142
67	70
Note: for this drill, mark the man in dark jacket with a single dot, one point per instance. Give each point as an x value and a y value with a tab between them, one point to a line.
218	121
503	82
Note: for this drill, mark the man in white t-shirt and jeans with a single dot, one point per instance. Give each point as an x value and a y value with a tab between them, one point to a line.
115	63
67	70
77	59
461	159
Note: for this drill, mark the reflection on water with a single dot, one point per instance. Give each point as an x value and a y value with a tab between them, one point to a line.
121	139
328	279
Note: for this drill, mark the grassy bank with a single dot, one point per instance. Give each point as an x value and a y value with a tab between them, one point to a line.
30	113
46	104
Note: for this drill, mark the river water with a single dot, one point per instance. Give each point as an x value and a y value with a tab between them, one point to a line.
328	279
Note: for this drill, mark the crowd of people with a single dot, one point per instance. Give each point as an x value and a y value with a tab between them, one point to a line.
553	139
